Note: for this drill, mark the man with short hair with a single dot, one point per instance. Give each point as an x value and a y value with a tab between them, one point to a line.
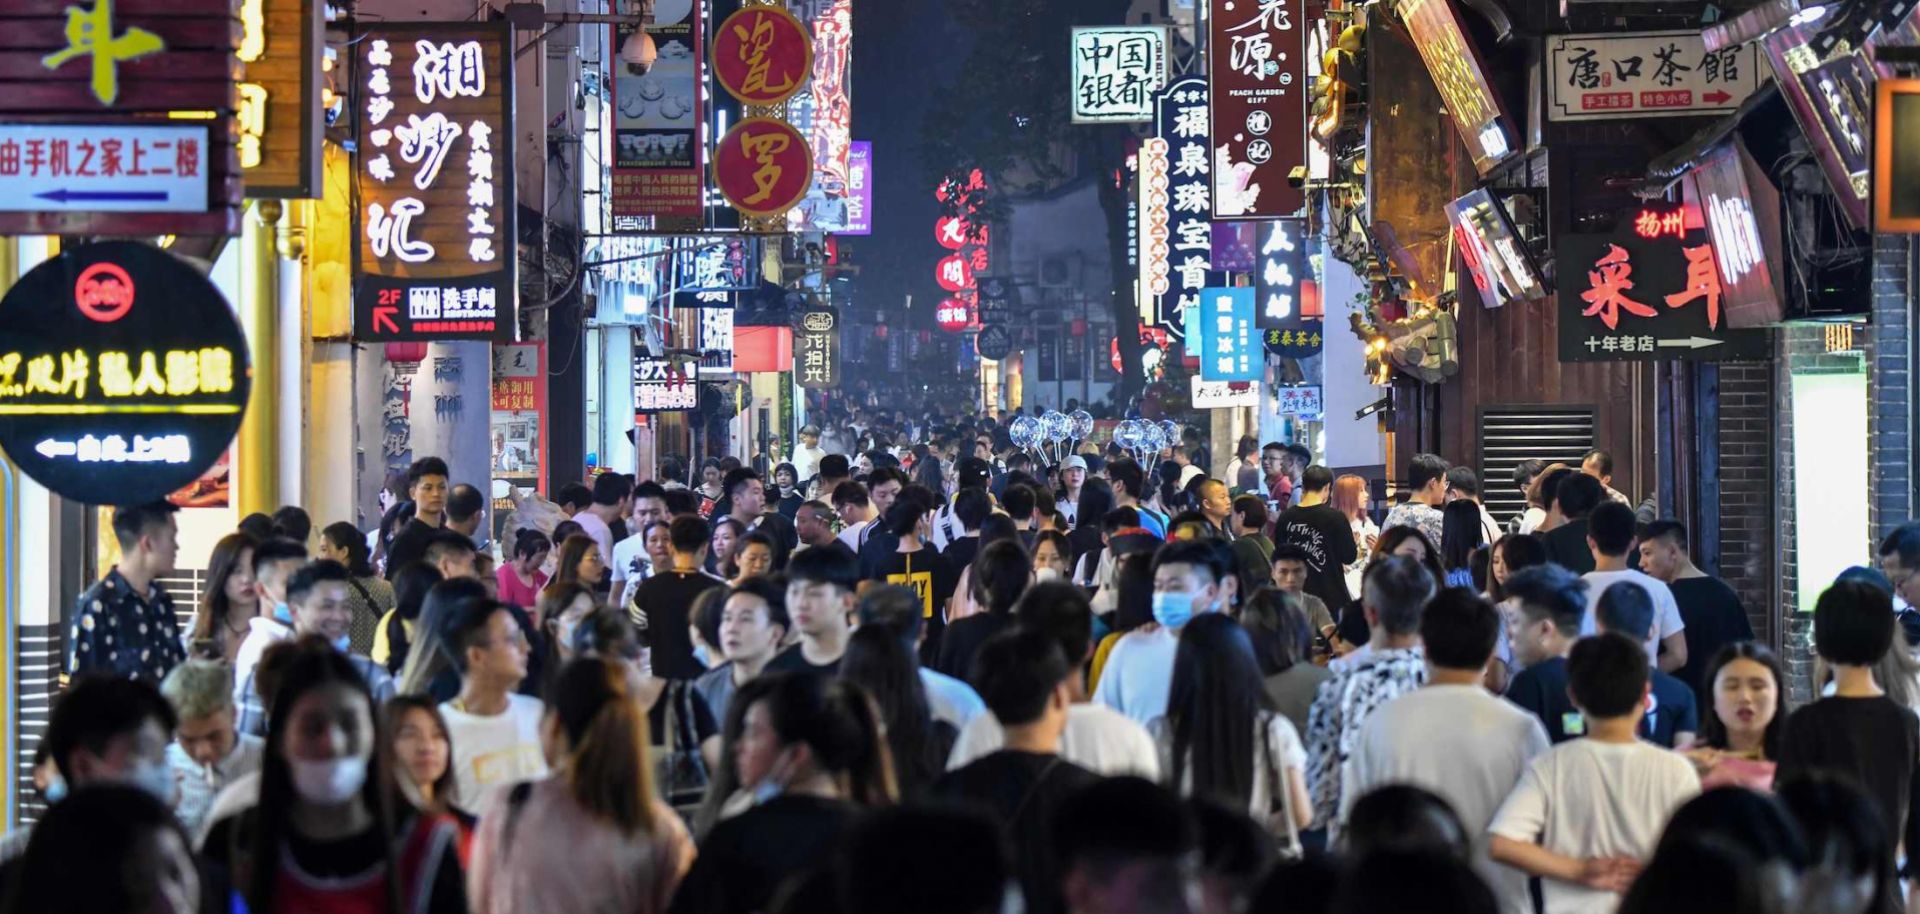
1462	483
452	554
274	563
1189	578
854	504
495	731
208	751
948	526
1552	610
969	510
1276	476
1427	491
631	565
747	494
1599	465
834	470
1587	812
1451	736
663	603
1019	501
1324	534
1672	720
573	498
1566	544
104	729
125	625
753	622
1125	845
897	608
466	511
319	595
612	493
806	457
1711	616
1025	681
1393	596
427	486
1524	473
1290	571
1129	486
813	524
820	599
1216	503
1609	539
1899	556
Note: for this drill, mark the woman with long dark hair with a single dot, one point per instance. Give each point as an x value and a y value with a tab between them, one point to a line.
1353	631
1460	534
997	577
1133	609
879	661
418	747
1508	556
811	753
221	621
592	835
394	637
1741	726
578	563
368	594
721	546
1222	739
325	835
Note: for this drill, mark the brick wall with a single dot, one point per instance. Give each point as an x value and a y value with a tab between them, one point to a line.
1745	562
1799	347
1890	358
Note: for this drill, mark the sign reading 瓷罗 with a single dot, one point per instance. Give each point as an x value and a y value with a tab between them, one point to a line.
113	65
280	118
1229	345
1184	240
762	55
1484	127
1646	74
123	373
1648	290
663	386
1117	71
816	354
434	251
1257	60
658	169
763	166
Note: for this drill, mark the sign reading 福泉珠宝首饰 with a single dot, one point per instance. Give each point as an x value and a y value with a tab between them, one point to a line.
1117	70
1647	74
1648	290
1182	235
280	120
84	88
434	251
123	373
1257	64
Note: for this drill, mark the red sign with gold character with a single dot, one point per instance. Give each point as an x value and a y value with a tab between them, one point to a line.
762	55
763	166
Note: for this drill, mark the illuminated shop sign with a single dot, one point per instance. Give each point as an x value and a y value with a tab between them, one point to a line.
1116	72
1484	127
123	373
1742	212
663	386
1646	74
1151	239
1257	61
763	166
816	355
1183	235
859	189
1648	290
1495	257
827	120
280	115
435	252
658	155
1229	345
1832	99
716	341
1896	156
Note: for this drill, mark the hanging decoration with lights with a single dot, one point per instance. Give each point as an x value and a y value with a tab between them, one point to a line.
966	239
1417	339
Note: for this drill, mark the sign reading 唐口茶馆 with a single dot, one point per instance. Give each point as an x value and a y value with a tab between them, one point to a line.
123	373
1646	74
434	251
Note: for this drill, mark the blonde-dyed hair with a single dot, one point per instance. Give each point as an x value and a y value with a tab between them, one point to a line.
199	689
1349	495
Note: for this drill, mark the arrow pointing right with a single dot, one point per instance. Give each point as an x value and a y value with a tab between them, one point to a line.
51	448
1716	97
383	314
1692	342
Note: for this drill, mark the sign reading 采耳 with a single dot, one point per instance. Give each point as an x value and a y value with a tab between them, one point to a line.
1646	74
434	251
1489	135
816	354
658	168
123	373
1117	71
1229	346
663	386
1648	290
103	168
1183	233
1257	61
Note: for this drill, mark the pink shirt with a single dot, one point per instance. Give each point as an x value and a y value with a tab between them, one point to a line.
562	858
516	593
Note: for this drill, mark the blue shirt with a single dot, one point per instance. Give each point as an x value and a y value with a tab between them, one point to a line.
1672	710
124	634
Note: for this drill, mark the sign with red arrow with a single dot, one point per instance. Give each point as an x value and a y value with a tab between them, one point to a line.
1647	74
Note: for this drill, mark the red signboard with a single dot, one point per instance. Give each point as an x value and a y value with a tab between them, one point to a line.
658	167
1257	63
763	166
954	273
954	314
762	55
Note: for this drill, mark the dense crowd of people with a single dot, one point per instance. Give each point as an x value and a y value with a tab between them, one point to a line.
914	668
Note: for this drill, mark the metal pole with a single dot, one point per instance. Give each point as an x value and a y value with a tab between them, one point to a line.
257	449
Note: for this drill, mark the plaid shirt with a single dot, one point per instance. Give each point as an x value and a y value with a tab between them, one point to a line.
251	715
127	635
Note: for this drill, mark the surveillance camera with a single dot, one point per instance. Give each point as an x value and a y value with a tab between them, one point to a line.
639	52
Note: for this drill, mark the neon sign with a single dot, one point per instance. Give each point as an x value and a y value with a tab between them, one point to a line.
1649	223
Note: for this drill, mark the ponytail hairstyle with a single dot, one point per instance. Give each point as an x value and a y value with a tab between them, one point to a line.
606	732
839	723
345	536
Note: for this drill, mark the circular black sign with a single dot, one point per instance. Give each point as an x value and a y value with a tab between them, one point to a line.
123	373
994	342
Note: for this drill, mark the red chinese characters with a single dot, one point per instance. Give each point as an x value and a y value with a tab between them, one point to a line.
1703	281
762	55
1610	279
763	166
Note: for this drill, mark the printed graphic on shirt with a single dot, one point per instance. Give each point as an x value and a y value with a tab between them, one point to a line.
922	584
507	764
1309	538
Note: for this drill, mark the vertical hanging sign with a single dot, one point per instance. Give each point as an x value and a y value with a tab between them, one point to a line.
1229	347
658	172
817	353
280	116
434	251
1186	237
1257	61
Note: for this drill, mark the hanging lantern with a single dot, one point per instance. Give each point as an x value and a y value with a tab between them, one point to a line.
954	314
955	273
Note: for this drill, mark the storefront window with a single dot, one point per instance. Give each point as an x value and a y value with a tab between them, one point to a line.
1830	473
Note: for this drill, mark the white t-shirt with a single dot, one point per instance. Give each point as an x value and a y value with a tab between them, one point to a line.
854	535
1464	744
1138	675
950	699
1585	799
630	566
1666	612
1283	746
598	529
1096	738
491	751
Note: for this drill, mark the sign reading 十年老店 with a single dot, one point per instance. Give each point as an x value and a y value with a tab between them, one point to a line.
280	119
94	78
434	245
1117	71
123	373
1646	74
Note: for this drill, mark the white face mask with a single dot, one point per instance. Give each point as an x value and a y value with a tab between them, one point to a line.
155	778
330	782
1046	573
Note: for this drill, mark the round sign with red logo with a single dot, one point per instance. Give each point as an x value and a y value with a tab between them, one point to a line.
763	166
954	314
762	55
954	272
123	373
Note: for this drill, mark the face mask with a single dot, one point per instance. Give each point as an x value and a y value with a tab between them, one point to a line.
56	788
342	643
1173	610
330	782
283	613
1044	574
155	778
700	654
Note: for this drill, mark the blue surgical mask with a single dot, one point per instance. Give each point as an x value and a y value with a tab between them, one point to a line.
700	654
342	643
1173	610
283	613
56	788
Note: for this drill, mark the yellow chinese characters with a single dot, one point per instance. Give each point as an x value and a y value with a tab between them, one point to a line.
90	32
173	373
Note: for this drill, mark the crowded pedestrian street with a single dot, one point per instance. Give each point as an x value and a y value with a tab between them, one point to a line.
959	457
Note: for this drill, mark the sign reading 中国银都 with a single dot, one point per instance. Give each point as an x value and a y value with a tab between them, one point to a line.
123	373
1646	74
434	251
280	120
1117	70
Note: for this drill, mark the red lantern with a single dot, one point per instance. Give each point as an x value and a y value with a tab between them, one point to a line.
951	232
954	273
954	314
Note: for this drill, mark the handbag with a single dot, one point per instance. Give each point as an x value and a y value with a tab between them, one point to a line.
1279	817
681	771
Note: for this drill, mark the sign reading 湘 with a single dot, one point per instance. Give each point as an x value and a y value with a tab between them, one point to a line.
1117	70
434	251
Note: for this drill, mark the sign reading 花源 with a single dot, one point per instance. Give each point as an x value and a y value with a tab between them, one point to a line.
123	373
280	118
1117	71
1646	74
1184	237
1257	61
434	251
658	170
1648	290
1229	346
816	354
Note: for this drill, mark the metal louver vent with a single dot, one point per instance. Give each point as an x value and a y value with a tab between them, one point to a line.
1511	434
185	585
